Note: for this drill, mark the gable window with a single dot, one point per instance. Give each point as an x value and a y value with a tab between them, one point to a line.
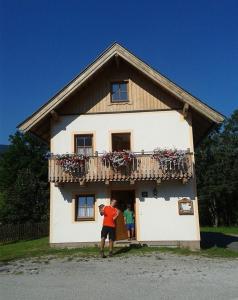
119	91
84	144
85	207
121	141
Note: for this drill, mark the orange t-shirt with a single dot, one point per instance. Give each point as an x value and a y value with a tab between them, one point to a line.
109	213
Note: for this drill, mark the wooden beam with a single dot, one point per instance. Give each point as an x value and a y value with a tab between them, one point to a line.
59	184
117	58
82	182
158	181
185	110
54	115
185	180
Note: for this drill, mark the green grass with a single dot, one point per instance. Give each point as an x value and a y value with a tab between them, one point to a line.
40	248
224	230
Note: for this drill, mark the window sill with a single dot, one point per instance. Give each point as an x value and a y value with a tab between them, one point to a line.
84	219
121	103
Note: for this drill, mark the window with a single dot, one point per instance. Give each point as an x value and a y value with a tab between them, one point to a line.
121	141
84	144
119	91
84	208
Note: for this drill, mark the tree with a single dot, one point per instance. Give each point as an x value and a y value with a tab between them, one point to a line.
24	191
217	175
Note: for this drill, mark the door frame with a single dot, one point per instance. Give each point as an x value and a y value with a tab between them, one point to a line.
134	200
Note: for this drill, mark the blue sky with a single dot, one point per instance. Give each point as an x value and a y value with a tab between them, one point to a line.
44	44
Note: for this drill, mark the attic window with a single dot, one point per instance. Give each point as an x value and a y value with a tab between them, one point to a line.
119	91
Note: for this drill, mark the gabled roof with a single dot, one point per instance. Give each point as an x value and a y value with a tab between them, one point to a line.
108	54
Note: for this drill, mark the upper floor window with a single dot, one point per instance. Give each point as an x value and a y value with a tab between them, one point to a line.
84	144
121	141
119	91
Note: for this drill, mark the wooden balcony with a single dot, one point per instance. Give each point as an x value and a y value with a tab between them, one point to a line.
143	167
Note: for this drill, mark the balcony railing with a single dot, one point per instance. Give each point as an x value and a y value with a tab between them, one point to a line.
142	167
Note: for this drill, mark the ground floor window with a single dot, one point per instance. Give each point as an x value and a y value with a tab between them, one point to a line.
85	207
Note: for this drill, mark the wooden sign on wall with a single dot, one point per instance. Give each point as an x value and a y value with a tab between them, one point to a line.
185	206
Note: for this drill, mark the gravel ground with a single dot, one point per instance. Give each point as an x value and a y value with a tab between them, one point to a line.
152	276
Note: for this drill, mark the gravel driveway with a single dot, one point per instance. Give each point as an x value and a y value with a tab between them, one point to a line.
154	276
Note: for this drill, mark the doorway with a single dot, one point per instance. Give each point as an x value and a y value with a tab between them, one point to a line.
123	199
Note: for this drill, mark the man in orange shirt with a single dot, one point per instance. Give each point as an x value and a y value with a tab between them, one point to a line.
110	214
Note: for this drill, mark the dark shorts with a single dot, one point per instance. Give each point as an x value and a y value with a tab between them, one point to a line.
130	226
108	231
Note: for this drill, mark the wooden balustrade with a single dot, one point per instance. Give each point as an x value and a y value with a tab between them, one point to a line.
142	167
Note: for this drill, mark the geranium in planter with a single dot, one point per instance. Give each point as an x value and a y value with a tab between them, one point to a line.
118	159
72	163
171	158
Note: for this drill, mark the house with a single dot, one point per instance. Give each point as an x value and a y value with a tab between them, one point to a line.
121	129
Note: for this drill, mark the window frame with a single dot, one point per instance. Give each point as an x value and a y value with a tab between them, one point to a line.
76	217
127	91
121	133
83	134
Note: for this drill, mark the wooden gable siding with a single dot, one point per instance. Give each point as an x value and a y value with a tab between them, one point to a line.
95	97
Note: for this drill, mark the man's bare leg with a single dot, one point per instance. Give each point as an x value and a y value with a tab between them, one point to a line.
110	247
132	233
129	234
102	247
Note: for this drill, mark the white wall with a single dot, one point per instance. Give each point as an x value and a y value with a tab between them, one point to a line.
63	227
148	130
158	218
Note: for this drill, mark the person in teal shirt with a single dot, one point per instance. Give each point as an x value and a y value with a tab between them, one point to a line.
129	221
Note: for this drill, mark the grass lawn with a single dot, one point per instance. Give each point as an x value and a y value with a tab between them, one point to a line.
37	248
224	230
40	247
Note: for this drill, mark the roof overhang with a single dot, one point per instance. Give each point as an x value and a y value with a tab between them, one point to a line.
117	50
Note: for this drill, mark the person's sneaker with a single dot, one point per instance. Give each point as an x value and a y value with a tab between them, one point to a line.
110	254
102	254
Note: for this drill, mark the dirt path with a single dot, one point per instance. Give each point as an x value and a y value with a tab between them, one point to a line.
156	276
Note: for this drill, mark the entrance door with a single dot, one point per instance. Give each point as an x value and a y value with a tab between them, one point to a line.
123	198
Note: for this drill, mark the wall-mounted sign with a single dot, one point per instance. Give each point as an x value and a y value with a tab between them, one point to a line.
185	207
144	194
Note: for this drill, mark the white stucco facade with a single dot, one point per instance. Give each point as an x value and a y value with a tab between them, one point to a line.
157	218
166	129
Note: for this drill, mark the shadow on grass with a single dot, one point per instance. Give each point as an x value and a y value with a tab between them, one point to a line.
217	239
209	240
128	249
